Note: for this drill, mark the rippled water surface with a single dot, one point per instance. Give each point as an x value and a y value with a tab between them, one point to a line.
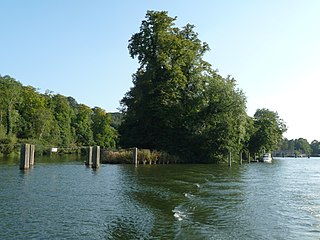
65	200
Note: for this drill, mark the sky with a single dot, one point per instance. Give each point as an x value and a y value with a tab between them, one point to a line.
78	48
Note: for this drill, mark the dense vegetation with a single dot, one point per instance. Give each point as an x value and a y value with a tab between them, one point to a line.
299	147
49	119
178	105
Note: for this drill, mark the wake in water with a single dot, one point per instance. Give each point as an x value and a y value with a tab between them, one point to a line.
179	213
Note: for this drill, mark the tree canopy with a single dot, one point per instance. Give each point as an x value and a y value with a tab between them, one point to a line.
267	132
178	102
49	119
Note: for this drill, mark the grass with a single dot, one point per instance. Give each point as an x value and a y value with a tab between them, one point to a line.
145	156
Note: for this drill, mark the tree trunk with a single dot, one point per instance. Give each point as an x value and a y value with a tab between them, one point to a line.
9	121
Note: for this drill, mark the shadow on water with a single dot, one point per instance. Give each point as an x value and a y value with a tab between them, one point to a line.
252	201
52	159
186	199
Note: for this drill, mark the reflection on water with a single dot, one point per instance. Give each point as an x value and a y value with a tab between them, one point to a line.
63	199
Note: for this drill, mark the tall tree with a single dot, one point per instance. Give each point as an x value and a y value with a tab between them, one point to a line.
103	134
268	131
315	146
302	146
34	118
63	115
178	103
83	125
10	90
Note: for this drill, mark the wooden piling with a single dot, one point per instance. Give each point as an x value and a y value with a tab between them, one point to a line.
240	158
89	156
229	159
25	156
96	157
31	158
248	157
135	156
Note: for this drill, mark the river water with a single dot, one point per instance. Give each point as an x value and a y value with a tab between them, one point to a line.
66	200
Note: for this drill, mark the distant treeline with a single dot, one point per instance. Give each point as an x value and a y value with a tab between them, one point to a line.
50	119
299	147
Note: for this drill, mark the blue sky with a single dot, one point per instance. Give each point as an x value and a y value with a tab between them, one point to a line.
79	48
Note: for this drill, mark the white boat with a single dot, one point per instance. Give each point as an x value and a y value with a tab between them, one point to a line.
267	157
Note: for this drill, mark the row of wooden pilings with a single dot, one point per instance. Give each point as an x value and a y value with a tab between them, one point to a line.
93	157
240	158
26	156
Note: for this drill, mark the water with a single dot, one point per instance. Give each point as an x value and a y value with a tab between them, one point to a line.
65	200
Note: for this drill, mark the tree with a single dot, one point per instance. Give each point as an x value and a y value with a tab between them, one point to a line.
63	115
268	131
103	134
10	95
178	103
302	146
34	116
83	125
315	146
116	119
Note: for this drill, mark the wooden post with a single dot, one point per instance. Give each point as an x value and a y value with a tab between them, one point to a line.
31	158
96	157
240	157
89	156
135	156
229	159
25	156
248	157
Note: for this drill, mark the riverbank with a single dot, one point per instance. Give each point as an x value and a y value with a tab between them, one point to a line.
145	156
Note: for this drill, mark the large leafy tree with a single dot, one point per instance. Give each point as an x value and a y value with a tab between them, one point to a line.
178	103
83	125
268	131
10	91
35	118
302	146
103	134
315	146
63	115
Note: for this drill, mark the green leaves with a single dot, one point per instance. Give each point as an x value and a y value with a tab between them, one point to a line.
268	130
50	119
104	135
178	103
10	91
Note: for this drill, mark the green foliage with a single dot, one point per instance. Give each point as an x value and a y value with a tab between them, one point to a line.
267	132
302	146
298	147
116	119
315	148
49	120
10	90
8	144
103	134
178	104
83	125
63	114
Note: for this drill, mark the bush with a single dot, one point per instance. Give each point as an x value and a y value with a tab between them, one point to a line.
8	144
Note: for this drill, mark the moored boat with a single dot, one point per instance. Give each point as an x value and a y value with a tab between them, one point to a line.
266	158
